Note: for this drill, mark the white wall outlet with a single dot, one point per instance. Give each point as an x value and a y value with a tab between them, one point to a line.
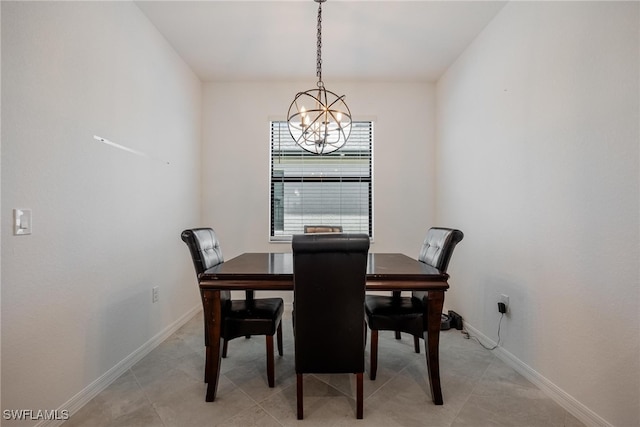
21	221
154	294
505	299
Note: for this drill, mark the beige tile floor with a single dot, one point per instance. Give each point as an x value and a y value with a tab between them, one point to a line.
166	388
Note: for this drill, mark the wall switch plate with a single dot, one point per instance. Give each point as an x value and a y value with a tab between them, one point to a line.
154	294
21	221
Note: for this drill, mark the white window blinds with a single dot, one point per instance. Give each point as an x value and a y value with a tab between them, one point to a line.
329	189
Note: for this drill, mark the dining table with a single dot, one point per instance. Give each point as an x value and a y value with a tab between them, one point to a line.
269	271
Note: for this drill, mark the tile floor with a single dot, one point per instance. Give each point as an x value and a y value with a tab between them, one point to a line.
166	388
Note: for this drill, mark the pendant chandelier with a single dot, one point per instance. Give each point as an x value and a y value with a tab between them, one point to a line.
319	120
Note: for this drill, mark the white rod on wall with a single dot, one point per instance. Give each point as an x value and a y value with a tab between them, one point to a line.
130	150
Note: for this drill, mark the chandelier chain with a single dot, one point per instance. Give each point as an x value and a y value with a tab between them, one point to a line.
324	126
319	52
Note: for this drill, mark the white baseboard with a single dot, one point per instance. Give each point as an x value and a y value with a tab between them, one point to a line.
558	395
74	404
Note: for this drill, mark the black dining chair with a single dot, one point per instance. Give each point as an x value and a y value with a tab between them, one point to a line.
329	279
251	316
405	314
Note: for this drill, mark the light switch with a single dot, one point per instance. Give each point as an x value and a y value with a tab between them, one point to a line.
21	221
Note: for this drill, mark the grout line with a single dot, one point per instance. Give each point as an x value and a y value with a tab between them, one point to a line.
153	407
266	411
477	383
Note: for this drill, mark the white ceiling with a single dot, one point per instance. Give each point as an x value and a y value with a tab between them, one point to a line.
391	40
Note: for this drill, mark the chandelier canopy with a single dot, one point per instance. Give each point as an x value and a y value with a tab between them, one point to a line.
319	121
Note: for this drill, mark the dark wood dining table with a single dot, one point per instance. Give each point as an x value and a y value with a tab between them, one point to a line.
274	272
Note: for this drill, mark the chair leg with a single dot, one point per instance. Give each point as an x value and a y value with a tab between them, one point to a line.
224	348
279	332
206	363
249	299
299	395
365	334
359	396
396	295
416	344
374	355
270	364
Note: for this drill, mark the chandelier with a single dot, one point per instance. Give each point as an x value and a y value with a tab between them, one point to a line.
319	121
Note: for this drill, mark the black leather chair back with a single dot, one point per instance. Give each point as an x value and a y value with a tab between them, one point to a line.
329	274
438	247
204	247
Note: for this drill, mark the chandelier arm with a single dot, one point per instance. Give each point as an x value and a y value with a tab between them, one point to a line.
338	99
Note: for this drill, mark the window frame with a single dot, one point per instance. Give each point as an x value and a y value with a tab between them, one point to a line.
285	238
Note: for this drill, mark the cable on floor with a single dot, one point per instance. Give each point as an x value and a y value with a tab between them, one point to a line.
467	335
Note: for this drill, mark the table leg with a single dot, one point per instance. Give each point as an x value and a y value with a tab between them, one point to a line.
433	313
213	317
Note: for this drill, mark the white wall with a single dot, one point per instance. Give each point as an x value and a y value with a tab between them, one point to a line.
76	294
236	151
538	165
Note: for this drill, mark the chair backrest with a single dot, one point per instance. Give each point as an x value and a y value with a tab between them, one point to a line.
204	247
438	247
329	276
323	229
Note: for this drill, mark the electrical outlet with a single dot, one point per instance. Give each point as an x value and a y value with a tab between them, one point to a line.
154	294
505	300
502	308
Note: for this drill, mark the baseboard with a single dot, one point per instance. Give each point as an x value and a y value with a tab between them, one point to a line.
562	398
74	404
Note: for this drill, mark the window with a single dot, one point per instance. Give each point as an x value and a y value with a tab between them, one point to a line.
329	189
